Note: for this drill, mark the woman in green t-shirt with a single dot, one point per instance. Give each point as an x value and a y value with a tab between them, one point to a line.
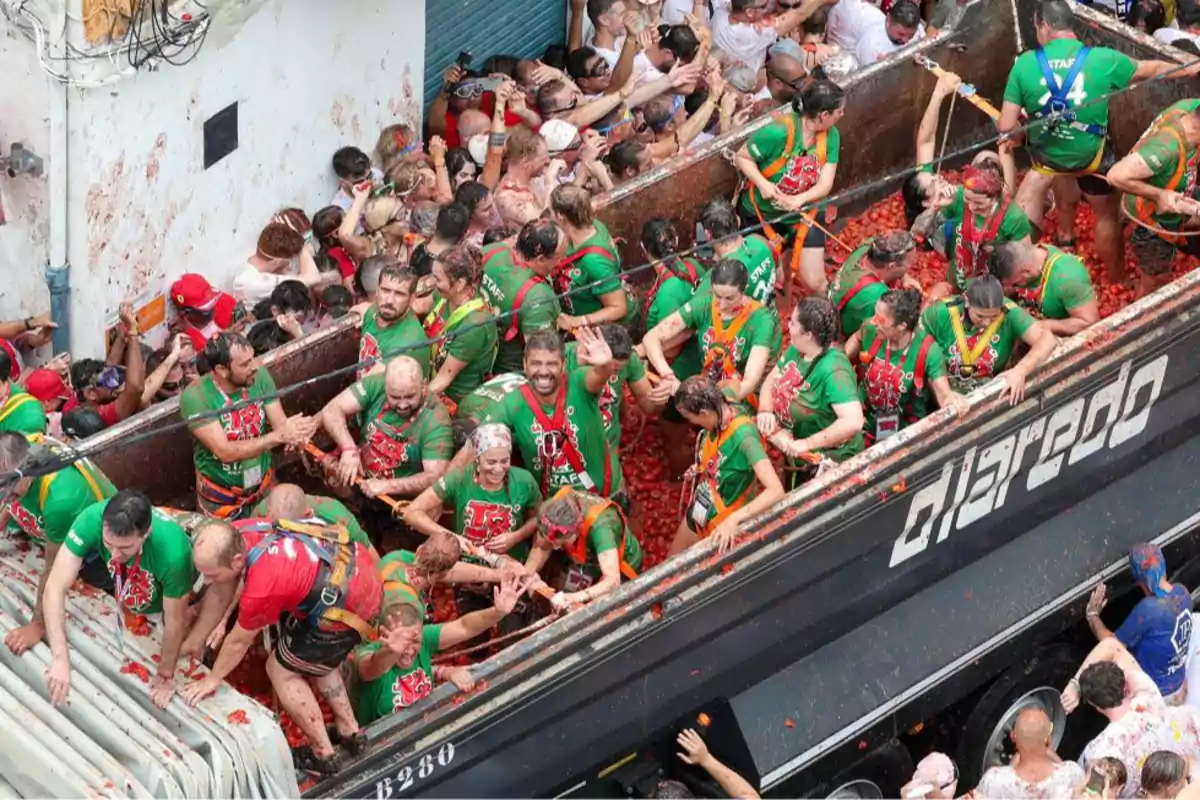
901	368
809	402
588	278
463	359
791	164
494	503
737	335
730	459
978	332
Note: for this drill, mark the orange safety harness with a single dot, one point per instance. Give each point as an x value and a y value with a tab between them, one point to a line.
710	449
332	546
718	358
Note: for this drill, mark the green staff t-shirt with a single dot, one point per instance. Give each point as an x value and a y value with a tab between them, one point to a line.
163	569
239	425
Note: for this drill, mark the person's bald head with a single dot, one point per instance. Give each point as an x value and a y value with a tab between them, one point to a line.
287	501
404	383
471	122
219	552
783	75
1031	731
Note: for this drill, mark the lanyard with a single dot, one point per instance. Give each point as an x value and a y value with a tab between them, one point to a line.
971	354
973	240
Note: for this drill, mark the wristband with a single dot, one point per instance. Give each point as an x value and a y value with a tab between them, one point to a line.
497	139
344	450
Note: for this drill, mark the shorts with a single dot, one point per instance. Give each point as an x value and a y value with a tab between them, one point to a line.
1091	184
315	652
1154	255
814	239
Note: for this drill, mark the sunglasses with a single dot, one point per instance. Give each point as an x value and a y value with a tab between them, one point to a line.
599	70
572	147
574	105
170	386
111	378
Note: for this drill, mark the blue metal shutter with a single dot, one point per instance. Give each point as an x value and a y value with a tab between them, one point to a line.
521	28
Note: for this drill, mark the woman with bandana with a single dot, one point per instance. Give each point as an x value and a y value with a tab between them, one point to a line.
1158	632
494	503
979	330
593	534
901	368
980	217
730	460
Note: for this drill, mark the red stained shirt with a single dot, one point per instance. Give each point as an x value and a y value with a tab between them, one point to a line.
108	412
283	576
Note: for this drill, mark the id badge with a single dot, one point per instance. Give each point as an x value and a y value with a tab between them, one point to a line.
886	425
252	477
701	506
577	580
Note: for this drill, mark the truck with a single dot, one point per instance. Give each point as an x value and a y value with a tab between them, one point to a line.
919	595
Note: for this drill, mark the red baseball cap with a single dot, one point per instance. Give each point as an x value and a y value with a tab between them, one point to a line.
193	291
46	384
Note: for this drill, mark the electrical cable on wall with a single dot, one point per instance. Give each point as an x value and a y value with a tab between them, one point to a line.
155	34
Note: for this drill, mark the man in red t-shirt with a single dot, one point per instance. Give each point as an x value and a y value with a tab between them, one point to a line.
286	582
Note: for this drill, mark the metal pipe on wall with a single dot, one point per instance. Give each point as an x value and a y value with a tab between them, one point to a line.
58	271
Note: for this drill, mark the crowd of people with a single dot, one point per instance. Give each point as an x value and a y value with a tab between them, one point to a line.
501	344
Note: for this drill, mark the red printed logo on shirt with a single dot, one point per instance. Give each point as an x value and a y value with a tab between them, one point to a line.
30	523
242	424
367	348
791	382
135	586
884	384
410	688
800	175
485	521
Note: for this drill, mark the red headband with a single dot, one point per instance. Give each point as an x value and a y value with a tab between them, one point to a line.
983	181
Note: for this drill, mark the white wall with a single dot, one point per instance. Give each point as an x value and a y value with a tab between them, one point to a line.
24	117
309	76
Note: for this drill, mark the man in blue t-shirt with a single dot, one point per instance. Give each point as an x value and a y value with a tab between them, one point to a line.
1158	632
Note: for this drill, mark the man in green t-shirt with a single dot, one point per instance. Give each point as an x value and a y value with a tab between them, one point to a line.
631	373
1063	86
590	272
1158	178
150	558
464	358
517	287
876	266
600	548
43	509
396	672
229	411
791	164
406	440
389	327
553	416
1050	284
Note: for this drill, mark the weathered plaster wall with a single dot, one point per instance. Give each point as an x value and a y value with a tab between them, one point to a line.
24	117
309	76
